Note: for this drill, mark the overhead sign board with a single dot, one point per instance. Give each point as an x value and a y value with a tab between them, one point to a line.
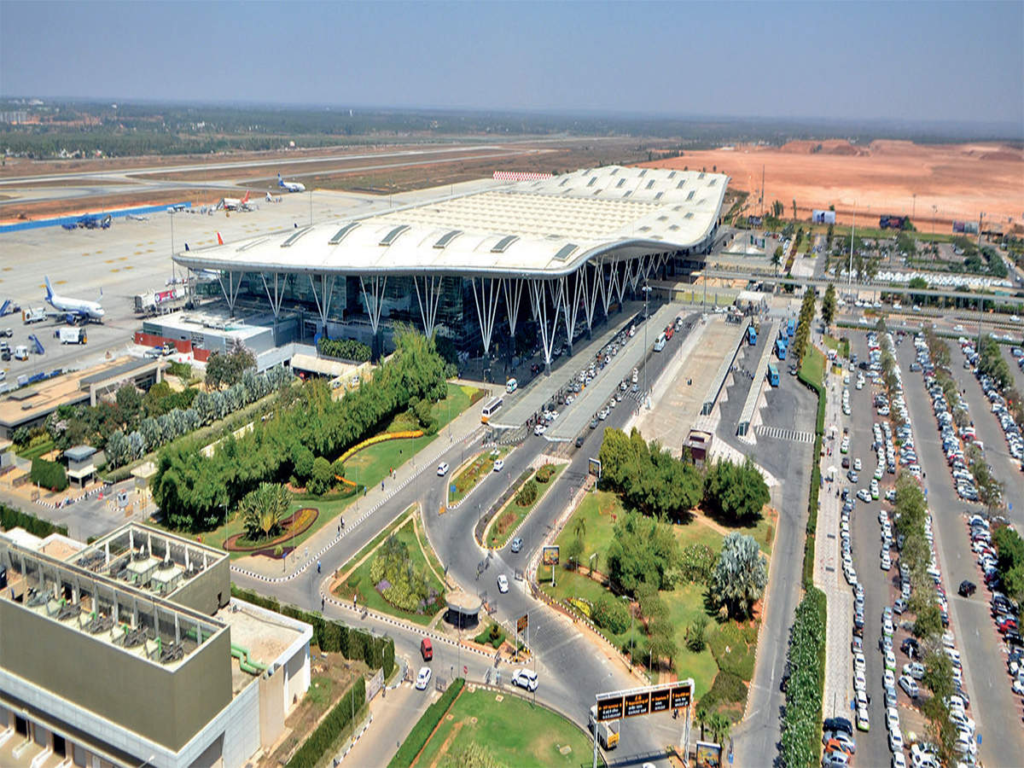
609	709
644	701
638	704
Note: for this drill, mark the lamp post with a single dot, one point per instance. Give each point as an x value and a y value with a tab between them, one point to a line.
632	619
647	293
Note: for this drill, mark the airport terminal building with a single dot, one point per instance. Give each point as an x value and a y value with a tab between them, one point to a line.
554	256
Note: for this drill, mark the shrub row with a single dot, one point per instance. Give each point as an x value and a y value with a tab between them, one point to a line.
49	474
812	502
15	518
331	636
420	732
314	748
801	724
346	349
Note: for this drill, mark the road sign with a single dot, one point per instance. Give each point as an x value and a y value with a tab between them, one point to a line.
681	694
451	488
609	709
522	623
465	670
661	701
638	704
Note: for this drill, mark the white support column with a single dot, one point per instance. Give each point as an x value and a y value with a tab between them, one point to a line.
231	292
591	283
571	299
278	296
374	298
605	285
539	304
640	266
323	302
490	290
513	295
428	309
620	282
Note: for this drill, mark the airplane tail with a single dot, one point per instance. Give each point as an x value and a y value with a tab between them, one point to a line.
280	181
220	240
186	247
246	198
49	288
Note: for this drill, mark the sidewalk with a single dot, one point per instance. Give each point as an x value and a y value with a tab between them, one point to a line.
465	427
394	716
827	570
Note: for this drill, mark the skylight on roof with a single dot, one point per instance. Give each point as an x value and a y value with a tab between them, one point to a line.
672	175
689	215
502	245
658	196
643	172
592	180
251	244
650	184
680	184
621	182
628	193
292	239
713	182
700	175
447	237
565	251
342	233
394	234
564	181
690	196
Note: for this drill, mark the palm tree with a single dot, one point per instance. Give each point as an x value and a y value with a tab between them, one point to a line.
263	509
719	726
703	717
579	527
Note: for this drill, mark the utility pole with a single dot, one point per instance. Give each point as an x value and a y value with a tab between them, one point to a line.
853	233
913	213
762	190
980	217
647	292
311	207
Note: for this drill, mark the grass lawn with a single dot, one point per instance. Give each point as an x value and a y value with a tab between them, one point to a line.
496	540
841	347
359	582
401	520
813	366
474	472
37	450
512	731
596	510
375	463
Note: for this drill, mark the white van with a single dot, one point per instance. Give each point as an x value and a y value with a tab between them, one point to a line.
21	352
511	386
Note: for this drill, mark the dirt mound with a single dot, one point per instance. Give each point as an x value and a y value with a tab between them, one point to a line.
826	147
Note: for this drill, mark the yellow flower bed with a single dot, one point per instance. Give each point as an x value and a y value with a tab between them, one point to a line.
380	439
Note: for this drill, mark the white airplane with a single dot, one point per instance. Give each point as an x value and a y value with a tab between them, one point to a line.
233	203
291	186
73	310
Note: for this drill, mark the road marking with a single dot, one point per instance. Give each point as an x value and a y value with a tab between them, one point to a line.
782	433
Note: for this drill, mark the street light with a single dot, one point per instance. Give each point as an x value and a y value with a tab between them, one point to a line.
647	293
632	619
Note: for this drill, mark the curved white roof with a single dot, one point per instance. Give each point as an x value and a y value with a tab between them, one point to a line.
533	227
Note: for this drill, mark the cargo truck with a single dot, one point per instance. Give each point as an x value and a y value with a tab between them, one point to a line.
158	302
607	732
34	315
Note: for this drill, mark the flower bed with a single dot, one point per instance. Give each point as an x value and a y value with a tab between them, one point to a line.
295	524
380	439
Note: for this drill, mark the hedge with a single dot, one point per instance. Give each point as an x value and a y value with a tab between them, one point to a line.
321	740
812	502
49	474
331	636
346	349
420	733
801	724
15	518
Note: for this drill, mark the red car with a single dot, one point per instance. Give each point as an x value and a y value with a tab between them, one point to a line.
1005	624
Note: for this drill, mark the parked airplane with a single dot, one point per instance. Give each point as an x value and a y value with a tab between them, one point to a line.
73	310
233	203
291	186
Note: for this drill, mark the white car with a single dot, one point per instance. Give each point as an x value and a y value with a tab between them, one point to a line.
539	430
499	465
503	583
525	678
898	760
423	679
895	740
442	469
892	718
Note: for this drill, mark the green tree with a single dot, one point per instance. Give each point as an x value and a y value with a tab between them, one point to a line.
322	477
263	509
828	305
643	551
928	623
302	460
695	639
777	258
740	575
662	642
938	674
735	493
611	614
719	726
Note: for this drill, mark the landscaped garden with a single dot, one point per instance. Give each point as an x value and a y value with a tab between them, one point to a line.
484	726
479	468
392	575
528	496
679	595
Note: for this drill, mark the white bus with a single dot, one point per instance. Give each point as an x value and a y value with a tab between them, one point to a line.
490	409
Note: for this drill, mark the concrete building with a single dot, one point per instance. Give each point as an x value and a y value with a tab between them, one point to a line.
130	651
559	252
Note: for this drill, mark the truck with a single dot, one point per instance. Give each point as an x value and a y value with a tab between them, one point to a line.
21	352
158	302
607	732
33	315
70	335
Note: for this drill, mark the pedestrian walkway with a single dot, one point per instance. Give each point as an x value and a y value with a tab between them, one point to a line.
465	428
828	578
781	433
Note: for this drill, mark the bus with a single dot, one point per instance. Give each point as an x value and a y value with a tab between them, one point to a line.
780	349
490	409
791	328
773	375
751	335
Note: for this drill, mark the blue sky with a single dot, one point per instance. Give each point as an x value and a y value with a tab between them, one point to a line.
902	61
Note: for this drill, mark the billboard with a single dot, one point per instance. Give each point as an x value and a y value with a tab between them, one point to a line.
891	222
709	755
823	217
971	227
594	467
549	555
522	623
959	226
754	221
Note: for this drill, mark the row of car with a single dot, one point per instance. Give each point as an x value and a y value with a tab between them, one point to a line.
1011	429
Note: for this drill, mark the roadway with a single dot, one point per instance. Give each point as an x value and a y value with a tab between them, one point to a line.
993	705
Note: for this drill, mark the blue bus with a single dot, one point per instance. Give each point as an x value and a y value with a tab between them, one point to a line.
780	349
773	375
791	328
751	335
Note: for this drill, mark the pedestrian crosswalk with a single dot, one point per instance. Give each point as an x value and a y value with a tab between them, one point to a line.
781	433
